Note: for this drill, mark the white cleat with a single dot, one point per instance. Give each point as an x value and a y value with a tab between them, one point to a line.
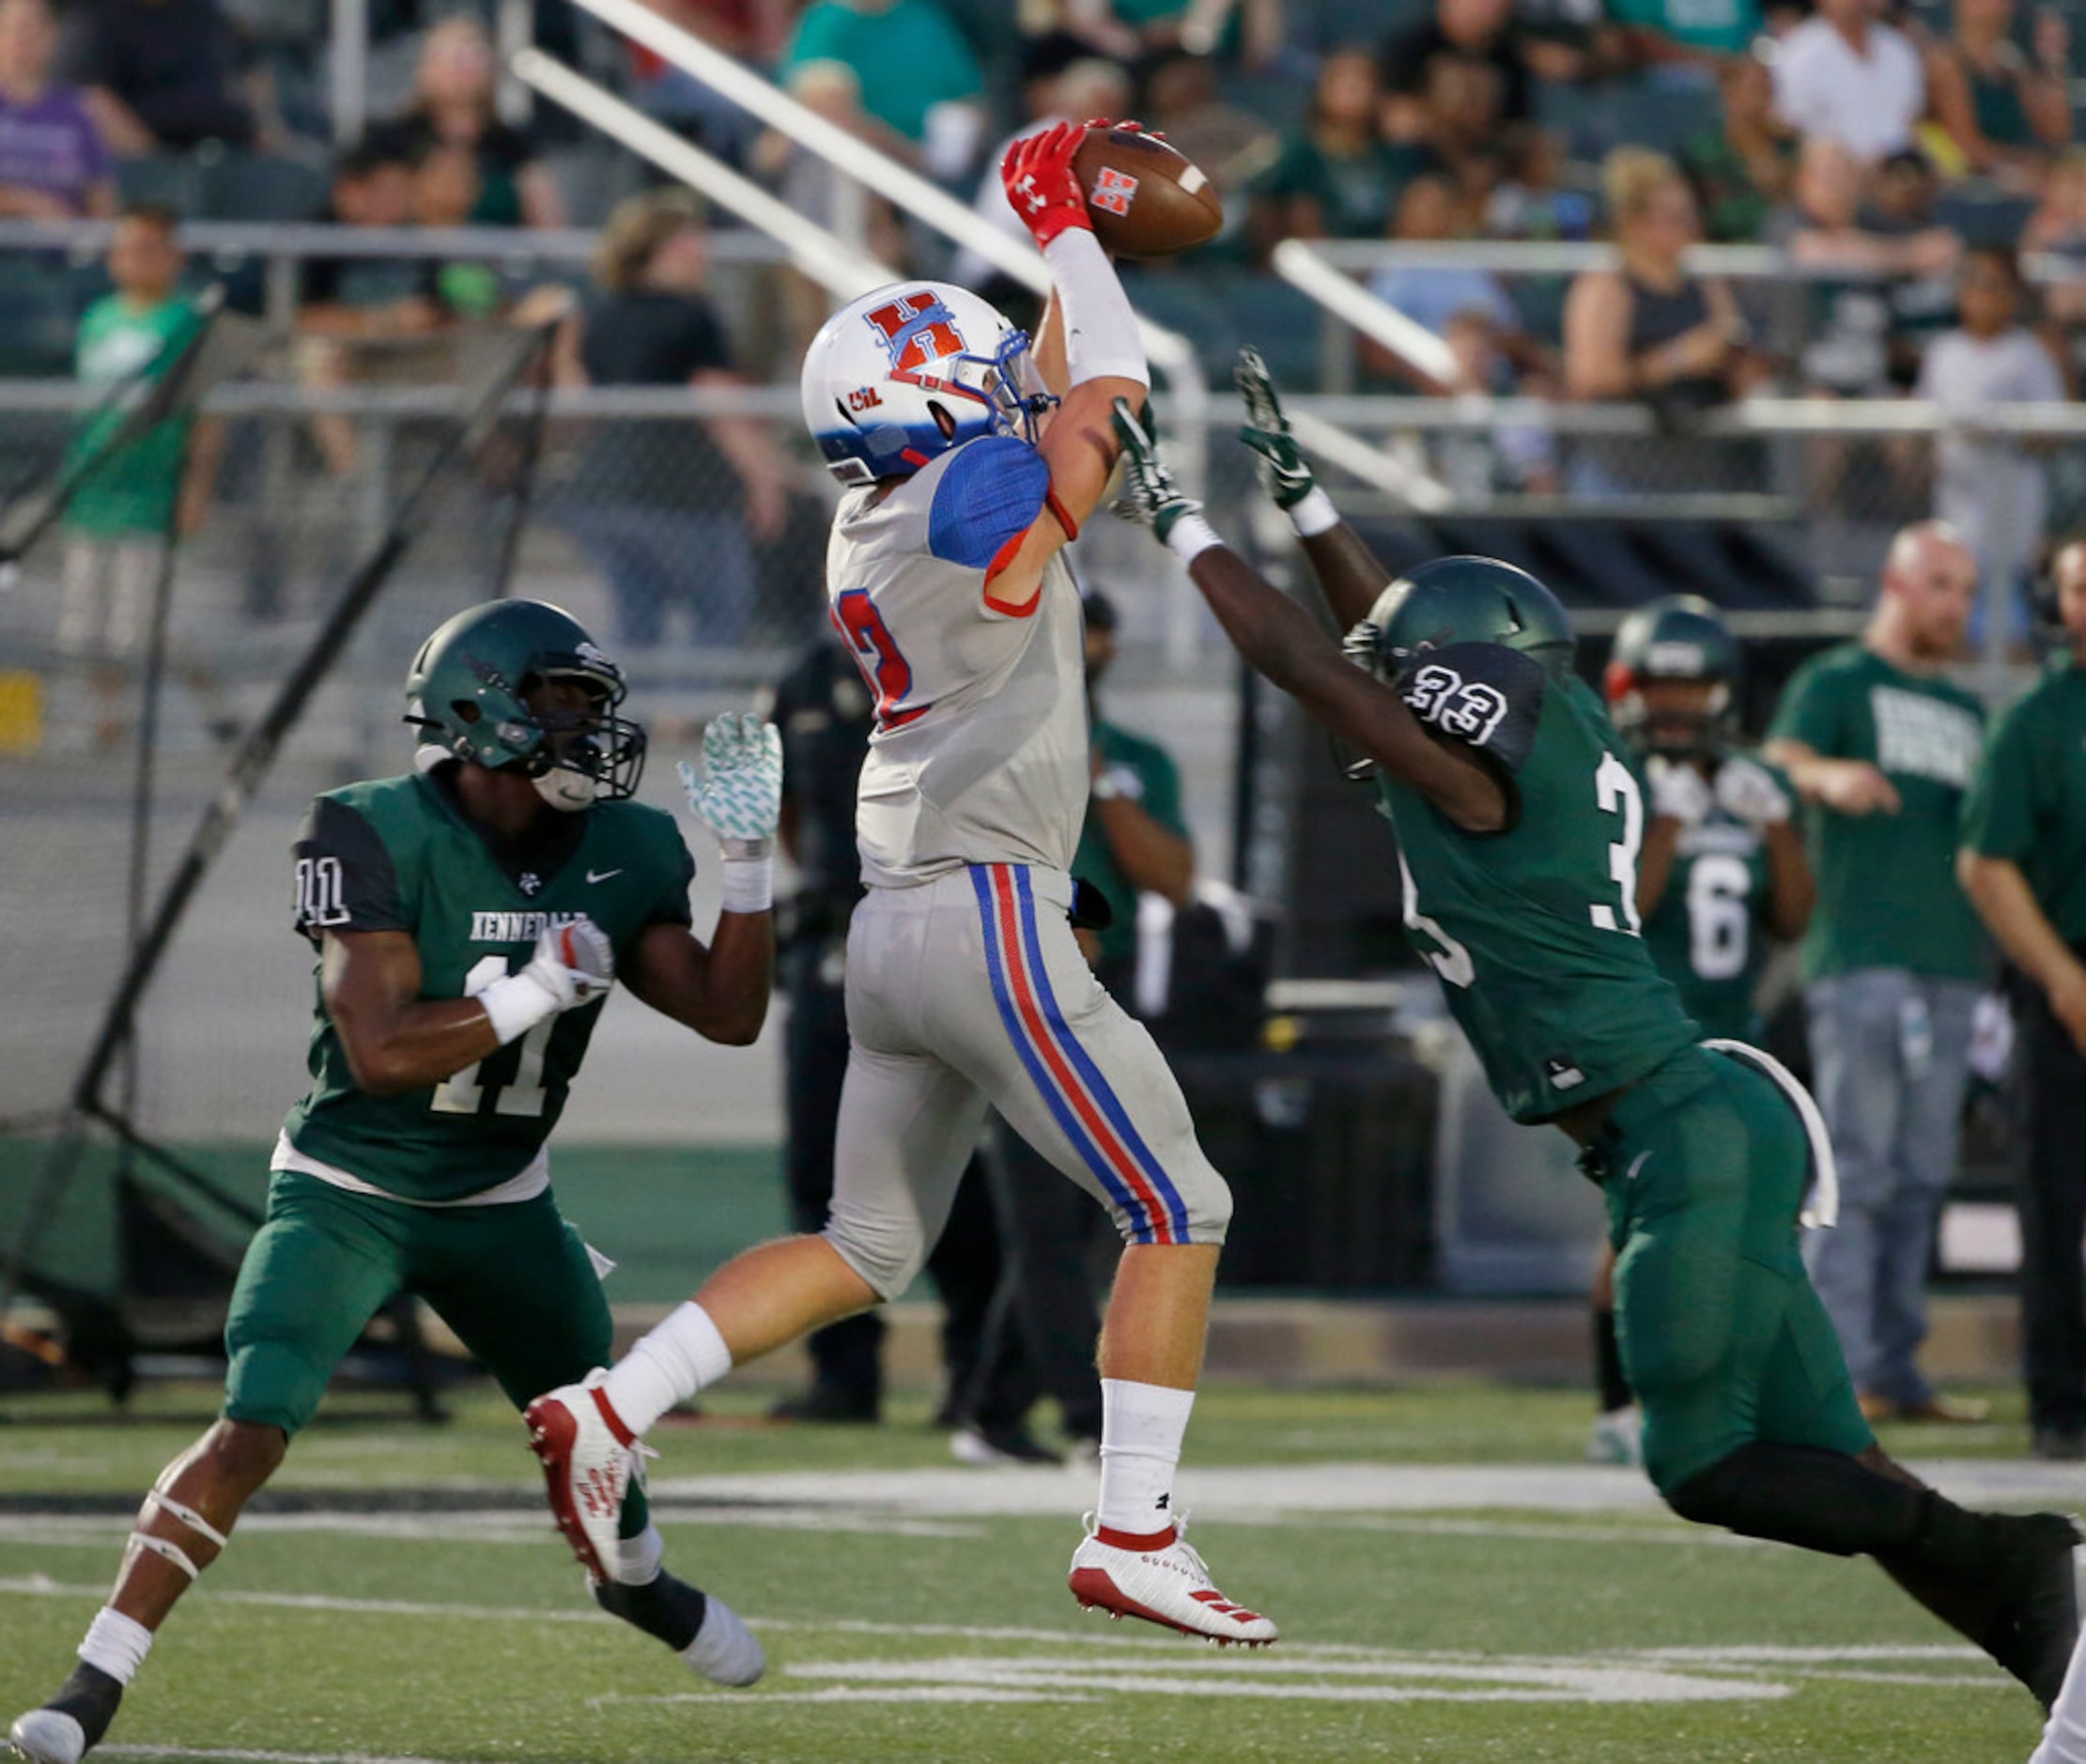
1169	1587
1618	1437
48	1736
587	1454
724	1651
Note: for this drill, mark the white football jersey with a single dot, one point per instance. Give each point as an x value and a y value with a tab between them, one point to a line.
979	754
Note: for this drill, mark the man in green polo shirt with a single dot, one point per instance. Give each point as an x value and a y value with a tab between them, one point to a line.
2023	864
1881	747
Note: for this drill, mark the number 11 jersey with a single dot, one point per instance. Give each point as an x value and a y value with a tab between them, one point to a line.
981	750
1535	930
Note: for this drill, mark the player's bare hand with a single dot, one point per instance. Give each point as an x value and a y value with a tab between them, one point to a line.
738	793
1857	787
1747	790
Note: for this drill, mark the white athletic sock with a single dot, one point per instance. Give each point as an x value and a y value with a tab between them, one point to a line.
639	1558
1141	1429
117	1644
682	1356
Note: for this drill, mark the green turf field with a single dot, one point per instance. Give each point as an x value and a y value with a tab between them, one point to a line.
1454	1583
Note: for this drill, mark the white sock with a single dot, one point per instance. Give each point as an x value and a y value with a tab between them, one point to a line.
682	1356
639	1558
1141	1429
117	1644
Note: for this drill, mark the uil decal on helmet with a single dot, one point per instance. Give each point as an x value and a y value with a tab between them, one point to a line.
479	690
909	371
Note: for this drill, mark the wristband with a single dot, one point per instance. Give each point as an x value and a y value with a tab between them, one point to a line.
1101	331
1190	536
1314	514
516	1003
749	882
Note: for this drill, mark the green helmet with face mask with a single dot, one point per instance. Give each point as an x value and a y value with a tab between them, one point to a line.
468	692
1683	638
1450	600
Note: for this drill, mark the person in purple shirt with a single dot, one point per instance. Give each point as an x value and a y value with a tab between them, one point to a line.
52	162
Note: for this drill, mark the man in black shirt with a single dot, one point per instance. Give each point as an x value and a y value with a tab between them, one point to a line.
158	74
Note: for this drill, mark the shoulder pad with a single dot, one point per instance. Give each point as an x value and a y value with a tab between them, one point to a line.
990	492
1484	695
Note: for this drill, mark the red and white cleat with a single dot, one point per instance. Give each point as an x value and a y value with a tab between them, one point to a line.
587	1455
1167	1585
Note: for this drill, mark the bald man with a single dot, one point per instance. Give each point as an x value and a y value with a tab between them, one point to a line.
1881	747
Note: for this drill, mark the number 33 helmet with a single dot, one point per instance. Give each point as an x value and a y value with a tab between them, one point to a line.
909	371
478	690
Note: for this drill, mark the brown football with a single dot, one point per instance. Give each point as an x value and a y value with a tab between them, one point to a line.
1146	198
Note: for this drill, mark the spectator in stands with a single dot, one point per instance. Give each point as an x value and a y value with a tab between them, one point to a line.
916	73
1905	197
1667	31
1184	101
1881	747
1531	199
1062	81
53	164
1991	488
447	190
1846	351
1432	294
2004	116
1336	178
1485	29
350	306
1744	166
158	74
1650	329
453	88
666	510
1464	133
2057	226
144	492
752	31
1129	30
1846	75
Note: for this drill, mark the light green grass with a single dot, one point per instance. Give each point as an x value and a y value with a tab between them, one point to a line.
848	1610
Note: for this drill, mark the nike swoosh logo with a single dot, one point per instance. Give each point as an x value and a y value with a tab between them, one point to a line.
601	875
1637	1164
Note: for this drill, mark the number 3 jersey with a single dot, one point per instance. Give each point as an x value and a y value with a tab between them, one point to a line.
1533	930
399	854
1710	933
980	753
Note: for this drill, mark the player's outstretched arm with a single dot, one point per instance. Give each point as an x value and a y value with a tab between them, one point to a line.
720	989
1351	575
1281	641
1088	352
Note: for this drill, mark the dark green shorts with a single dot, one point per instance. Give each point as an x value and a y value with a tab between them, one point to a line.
513	1282
1705	1164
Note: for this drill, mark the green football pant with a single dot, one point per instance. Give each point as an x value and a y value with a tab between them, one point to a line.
1703	1164
513	1282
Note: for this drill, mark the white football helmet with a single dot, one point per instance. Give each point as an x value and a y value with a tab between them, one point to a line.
911	370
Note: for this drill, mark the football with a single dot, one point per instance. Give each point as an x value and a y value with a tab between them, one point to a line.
1146	198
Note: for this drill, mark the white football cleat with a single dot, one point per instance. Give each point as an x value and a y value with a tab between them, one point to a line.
1618	1437
48	1736
587	1455
725	1650
1168	1586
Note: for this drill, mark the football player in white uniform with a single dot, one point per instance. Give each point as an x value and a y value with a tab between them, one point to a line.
974	459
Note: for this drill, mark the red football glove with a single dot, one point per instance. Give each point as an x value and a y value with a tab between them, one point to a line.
1042	185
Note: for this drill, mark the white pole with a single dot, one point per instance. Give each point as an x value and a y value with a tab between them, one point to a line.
514	26
816	252
347	86
1297	264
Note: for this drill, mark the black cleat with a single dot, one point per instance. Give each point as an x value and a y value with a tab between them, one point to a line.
2037	1625
72	1724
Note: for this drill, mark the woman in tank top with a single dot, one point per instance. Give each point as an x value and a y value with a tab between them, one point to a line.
1649	330
2005	112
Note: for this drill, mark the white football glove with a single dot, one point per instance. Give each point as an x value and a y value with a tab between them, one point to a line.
1679	791
1745	788
738	794
575	964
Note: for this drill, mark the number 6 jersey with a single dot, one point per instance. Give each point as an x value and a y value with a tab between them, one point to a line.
399	854
981	750
1534	930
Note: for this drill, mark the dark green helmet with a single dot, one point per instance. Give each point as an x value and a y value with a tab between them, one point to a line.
1681	637
468	689
1462	600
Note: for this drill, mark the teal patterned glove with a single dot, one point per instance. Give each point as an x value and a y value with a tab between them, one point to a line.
738	794
1278	460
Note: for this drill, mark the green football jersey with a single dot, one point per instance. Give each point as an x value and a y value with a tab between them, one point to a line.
1534	931
1709	933
399	854
2028	803
134	490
